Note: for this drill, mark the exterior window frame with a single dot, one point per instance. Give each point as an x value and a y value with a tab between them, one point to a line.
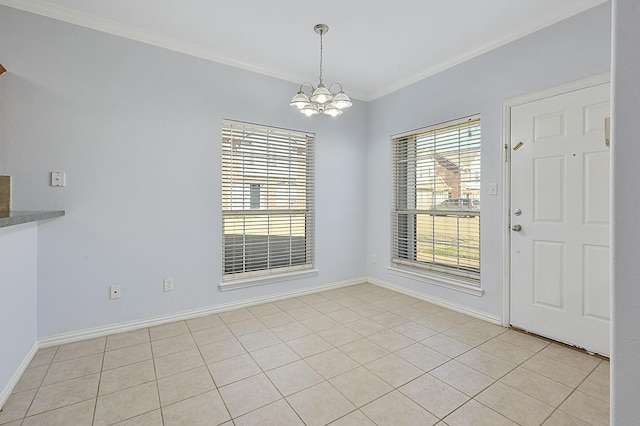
434	172
268	204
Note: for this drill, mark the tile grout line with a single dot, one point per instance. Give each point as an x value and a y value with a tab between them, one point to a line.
350	298
314	333
574	390
155	373
40	385
217	388
95	405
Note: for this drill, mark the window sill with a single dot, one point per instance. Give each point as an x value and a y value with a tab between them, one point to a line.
266	279
452	283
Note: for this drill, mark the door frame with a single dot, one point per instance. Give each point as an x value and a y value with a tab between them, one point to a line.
507	105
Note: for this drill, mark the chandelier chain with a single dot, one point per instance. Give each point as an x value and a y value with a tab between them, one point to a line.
321	48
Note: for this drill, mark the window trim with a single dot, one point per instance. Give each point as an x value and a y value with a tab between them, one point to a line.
267	279
250	278
456	279
441	280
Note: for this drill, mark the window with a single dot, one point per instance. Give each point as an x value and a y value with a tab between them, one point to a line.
267	202
436	211
255	195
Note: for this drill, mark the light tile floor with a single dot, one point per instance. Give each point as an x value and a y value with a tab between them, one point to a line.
360	355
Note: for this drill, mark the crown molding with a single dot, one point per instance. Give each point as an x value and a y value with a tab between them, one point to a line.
108	26
524	31
44	8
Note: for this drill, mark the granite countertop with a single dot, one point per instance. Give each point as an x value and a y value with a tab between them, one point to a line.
17	217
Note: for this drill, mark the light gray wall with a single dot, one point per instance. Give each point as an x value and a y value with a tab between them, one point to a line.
137	129
625	149
569	50
18	304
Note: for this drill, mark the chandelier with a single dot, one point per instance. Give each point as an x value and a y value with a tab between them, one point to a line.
320	99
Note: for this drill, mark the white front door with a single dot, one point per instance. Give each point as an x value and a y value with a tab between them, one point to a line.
560	178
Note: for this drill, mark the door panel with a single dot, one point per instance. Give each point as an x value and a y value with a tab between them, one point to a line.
548	126
548	274
596	188
548	206
560	181
596	271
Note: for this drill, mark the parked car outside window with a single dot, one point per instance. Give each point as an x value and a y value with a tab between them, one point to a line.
459	204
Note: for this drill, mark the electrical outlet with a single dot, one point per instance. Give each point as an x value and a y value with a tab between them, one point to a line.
114	292
57	179
168	284
373	259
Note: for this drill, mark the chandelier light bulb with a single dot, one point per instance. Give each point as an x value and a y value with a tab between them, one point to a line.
321	95
309	109
341	100
299	100
332	110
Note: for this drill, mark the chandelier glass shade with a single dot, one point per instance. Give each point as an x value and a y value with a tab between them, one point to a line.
321	100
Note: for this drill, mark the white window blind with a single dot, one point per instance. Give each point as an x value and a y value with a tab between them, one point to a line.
267	200
436	210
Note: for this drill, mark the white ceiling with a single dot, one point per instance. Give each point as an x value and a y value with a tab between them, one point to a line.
373	47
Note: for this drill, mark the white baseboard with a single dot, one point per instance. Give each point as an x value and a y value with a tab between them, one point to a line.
13	380
134	325
92	333
494	319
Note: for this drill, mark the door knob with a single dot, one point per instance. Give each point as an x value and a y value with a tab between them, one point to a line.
516	228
